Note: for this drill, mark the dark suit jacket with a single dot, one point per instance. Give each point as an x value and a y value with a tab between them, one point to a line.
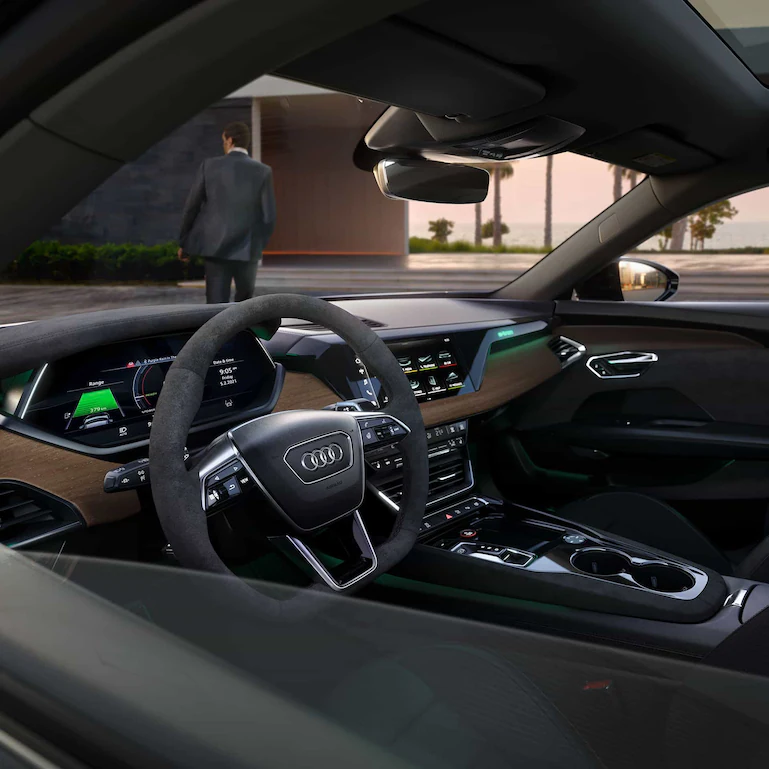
230	211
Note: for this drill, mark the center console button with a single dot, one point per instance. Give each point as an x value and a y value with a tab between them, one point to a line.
515	558
468	534
574	539
491	549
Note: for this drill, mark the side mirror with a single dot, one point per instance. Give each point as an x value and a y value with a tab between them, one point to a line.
630	280
413	179
643	281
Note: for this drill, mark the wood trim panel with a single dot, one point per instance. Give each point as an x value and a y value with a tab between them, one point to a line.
509	373
76	478
602	339
304	391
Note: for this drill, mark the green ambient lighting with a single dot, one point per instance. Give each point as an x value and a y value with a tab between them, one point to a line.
505	333
95	402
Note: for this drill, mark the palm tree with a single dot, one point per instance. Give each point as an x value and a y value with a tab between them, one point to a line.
478	225
498	171
678	232
618	172
501	171
549	203
441	229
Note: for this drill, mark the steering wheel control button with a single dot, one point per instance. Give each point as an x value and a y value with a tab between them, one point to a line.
128	477
213	497
226	472
574	539
232	487
378	431
367	423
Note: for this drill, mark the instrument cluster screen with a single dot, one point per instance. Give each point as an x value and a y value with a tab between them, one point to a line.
432	368
107	396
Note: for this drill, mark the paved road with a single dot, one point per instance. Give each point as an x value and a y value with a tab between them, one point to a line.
425	272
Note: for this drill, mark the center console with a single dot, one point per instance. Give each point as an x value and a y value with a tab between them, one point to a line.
541	571
451	472
500	537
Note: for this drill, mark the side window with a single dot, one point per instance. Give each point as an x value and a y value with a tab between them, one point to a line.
720	253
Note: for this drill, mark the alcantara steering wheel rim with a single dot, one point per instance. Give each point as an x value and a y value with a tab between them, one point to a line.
177	490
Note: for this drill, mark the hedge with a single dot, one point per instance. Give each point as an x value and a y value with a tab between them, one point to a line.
80	263
429	246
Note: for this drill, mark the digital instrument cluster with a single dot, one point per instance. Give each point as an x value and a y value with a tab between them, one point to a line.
107	396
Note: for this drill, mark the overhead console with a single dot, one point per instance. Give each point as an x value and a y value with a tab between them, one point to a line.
398	134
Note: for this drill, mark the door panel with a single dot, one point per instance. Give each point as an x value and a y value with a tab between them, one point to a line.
694	425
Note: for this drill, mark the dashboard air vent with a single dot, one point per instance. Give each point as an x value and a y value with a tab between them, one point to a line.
447	477
28	515
318	327
566	350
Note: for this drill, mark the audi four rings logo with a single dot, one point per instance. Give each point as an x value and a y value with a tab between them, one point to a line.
323	457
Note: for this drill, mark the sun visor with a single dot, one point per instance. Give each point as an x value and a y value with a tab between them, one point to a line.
651	152
401	64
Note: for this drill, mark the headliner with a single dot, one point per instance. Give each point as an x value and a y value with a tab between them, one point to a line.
612	67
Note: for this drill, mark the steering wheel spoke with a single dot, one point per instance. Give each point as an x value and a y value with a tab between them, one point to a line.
342	575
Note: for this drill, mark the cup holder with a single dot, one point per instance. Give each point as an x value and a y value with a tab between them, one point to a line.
602	563
663	578
659	577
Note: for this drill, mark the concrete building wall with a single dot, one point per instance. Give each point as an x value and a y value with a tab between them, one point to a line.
144	200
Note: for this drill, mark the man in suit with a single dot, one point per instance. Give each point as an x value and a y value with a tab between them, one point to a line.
229	217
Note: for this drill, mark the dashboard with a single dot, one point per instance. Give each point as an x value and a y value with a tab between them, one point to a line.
107	396
70	417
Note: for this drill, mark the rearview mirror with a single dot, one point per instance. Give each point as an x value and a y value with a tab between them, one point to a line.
413	179
643	281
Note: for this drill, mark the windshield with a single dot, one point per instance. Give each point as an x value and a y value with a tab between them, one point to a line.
304	219
259	194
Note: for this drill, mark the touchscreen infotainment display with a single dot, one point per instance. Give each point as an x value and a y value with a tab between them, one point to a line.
431	366
108	395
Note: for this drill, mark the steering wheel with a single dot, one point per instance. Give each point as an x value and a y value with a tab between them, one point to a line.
309	464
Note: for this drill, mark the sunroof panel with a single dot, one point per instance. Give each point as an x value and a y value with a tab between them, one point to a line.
744	26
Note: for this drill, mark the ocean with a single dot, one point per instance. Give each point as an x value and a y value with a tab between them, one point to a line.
728	235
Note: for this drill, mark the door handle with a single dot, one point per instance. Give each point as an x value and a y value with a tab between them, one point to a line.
621	365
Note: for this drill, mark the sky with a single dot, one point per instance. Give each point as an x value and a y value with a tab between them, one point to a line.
582	188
